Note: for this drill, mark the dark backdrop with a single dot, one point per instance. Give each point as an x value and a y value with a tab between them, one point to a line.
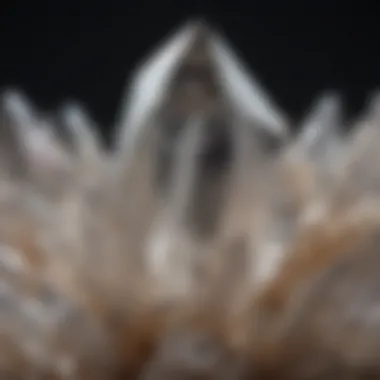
85	49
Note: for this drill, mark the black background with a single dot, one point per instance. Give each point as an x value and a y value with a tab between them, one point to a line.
63	49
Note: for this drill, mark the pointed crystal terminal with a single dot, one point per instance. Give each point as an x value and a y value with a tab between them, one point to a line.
18	109
321	128
196	70
323	118
82	130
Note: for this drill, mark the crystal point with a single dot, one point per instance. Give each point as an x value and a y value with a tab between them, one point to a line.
195	70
